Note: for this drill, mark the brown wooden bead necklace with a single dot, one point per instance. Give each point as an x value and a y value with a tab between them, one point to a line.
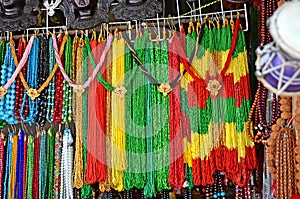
297	148
280	152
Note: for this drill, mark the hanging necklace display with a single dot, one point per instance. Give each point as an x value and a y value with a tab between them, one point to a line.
51	86
149	188
31	92
96	165
19	87
297	148
165	88
57	164
12	178
24	166
8	165
258	110
79	88
189	41
42	165
176	166
7	102
68	91
20	166
135	174
118	156
260	124
7	80
280	152
118	90
32	82
59	92
66	189
277	64
35	183
43	73
86	191
106	186
29	166
136	9
50	161
78	163
213	127
2	56
159	117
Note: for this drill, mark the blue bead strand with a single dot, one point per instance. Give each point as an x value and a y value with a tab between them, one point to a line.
8	101
32	83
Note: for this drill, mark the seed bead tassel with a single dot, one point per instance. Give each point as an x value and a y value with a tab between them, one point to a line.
35	183
100	106
78	163
94	139
68	91
118	161
42	164
29	167
86	191
50	162
106	186
20	167
135	175
149	189
13	170
175	177
24	185
162	158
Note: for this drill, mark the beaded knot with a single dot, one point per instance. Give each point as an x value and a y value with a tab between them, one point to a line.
78	89
33	93
214	86
3	91
120	91
165	89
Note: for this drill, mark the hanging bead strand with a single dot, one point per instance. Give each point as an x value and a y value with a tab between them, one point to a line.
32	82
19	87
51	87
68	91
43	73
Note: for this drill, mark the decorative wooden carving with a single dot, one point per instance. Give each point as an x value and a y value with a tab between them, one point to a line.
17	15
84	14
136	9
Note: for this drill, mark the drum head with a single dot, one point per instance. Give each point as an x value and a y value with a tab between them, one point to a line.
284	27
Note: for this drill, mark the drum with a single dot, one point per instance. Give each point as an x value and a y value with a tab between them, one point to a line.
278	63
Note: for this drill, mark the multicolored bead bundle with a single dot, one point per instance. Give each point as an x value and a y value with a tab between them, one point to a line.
161	116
